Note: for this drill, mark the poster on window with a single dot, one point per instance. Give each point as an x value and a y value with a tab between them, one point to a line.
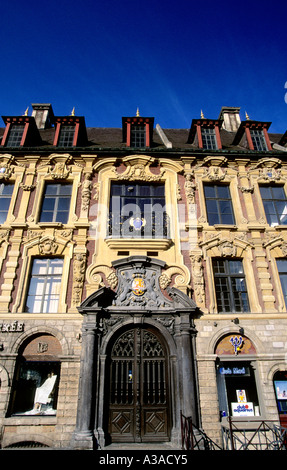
242	409
241	396
281	389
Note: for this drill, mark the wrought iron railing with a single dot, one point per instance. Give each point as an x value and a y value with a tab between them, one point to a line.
194	438
253	435
142	225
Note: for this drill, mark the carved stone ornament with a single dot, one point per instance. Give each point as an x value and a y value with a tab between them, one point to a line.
79	269
6	168
198	277
138	170
189	188
215	173
57	166
48	247
87	191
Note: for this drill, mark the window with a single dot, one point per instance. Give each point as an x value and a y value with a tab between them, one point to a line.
44	290
282	270
37	377
208	138
66	136
138	137
218	204
237	390
275	204
15	135
56	203
230	286
6	191
258	139
138	210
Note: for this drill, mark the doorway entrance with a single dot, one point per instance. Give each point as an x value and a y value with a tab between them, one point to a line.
138	388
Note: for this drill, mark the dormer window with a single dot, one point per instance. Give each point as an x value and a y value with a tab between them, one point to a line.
205	133
258	139
254	135
15	135
20	131
209	138
137	131
70	131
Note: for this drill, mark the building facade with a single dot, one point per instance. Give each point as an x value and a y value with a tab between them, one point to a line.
143	277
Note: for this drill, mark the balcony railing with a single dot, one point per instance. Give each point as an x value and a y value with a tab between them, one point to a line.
142	225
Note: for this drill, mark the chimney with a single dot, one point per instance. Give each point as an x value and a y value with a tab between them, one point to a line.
43	114
231	118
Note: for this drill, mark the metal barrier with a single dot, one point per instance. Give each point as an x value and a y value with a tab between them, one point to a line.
256	435
193	438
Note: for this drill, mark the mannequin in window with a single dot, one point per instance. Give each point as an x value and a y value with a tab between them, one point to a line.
43	393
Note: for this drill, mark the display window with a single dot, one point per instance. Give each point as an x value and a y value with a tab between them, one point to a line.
236	378
237	391
280	387
36	378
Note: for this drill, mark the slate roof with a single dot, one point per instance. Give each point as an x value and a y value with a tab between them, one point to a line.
107	138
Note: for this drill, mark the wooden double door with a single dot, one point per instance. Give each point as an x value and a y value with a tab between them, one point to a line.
138	392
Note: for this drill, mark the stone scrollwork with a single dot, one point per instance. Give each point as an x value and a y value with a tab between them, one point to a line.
95	276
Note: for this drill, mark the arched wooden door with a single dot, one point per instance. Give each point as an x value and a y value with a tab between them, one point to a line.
138	393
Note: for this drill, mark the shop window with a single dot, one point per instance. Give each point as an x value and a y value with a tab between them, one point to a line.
280	386
275	204
45	284
6	191
36	380
230	286
56	203
218	204
237	392
138	211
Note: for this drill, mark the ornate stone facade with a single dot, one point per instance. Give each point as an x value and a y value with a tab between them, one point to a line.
157	295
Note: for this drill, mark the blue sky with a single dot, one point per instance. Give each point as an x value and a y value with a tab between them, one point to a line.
171	59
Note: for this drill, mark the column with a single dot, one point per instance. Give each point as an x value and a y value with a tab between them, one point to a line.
83	436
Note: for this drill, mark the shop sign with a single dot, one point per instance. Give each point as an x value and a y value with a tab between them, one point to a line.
14	326
234	370
242	409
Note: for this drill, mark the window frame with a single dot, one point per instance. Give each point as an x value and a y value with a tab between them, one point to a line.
45	298
7	196
209	138
58	196
229	277
135	203
275	201
282	273
218	200
258	140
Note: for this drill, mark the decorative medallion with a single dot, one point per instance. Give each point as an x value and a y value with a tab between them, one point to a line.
137	223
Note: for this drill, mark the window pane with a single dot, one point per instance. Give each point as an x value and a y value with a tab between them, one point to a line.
265	192
56	203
